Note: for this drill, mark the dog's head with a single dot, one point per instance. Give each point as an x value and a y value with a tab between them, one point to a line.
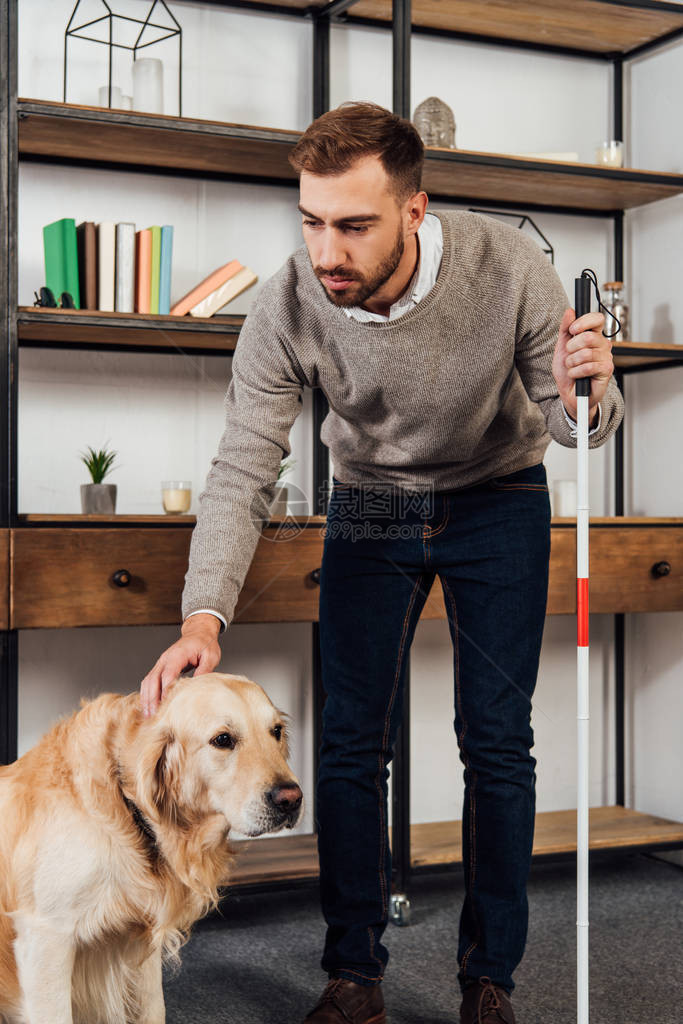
218	745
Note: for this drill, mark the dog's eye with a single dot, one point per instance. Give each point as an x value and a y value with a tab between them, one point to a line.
224	740
277	732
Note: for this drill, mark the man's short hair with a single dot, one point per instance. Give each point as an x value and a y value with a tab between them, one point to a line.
336	140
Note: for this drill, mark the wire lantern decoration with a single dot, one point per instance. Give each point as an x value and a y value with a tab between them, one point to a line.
147	24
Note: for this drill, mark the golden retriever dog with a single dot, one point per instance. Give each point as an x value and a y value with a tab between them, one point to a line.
114	840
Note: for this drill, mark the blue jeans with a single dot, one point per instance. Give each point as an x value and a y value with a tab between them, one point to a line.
490	545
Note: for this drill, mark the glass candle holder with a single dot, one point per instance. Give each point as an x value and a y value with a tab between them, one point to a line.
610	154
176	496
148	85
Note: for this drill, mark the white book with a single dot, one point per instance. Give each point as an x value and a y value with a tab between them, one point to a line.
106	265
225	293
125	268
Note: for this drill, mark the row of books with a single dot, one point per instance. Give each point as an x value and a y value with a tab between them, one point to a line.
114	268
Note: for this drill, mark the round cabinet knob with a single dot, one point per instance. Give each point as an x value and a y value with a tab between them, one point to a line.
660	569
315	575
121	578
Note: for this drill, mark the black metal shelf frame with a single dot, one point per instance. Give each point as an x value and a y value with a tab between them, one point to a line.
322	18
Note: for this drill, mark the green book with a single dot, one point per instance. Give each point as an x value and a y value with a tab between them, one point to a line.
156	264
61	259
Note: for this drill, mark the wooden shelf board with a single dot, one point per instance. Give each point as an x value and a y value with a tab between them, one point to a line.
585	25
74	519
616	522
468	175
64	327
173	520
61	327
439	843
611	828
631	354
274	858
74	133
92	135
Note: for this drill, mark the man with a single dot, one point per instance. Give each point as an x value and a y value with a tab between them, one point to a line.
433	338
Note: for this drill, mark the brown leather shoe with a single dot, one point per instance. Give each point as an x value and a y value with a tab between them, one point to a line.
486	1003
345	1002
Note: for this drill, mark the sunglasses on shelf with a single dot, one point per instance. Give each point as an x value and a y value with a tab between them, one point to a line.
47	298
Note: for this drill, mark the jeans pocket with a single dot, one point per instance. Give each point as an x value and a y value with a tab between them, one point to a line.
531	478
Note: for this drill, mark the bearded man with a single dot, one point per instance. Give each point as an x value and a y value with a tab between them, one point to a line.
448	353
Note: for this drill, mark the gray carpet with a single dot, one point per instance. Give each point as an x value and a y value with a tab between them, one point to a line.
259	963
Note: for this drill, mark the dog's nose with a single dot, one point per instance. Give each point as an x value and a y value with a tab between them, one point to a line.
287	798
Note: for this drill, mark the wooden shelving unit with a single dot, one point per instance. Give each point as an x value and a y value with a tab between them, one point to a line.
95	137
155	142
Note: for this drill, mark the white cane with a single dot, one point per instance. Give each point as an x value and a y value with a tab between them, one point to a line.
583	387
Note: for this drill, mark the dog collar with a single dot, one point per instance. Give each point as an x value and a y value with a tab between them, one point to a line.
143	826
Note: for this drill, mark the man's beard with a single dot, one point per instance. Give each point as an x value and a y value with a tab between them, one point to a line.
356	296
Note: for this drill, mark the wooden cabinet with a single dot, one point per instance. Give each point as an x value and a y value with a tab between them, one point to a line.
636	565
97	577
637	568
134	576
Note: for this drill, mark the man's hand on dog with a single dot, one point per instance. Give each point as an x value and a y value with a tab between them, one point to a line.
197	648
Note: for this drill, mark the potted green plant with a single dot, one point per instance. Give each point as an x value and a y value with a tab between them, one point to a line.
279	505
98	498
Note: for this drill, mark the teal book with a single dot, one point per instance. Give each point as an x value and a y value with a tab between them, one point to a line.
156	263
61	259
165	269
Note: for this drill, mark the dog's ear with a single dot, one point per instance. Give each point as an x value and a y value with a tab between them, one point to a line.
284	742
167	776
159	776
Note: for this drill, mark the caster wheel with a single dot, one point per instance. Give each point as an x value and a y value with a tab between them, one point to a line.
400	909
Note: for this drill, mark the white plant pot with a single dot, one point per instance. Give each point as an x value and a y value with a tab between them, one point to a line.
98	499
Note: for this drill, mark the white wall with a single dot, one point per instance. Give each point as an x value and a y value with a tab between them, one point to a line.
254	69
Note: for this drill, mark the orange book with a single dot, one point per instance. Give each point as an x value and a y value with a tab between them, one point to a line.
143	270
205	287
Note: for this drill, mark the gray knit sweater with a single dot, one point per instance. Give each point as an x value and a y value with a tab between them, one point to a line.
455	391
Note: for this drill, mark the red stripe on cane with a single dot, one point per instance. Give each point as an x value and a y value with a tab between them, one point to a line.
582	612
